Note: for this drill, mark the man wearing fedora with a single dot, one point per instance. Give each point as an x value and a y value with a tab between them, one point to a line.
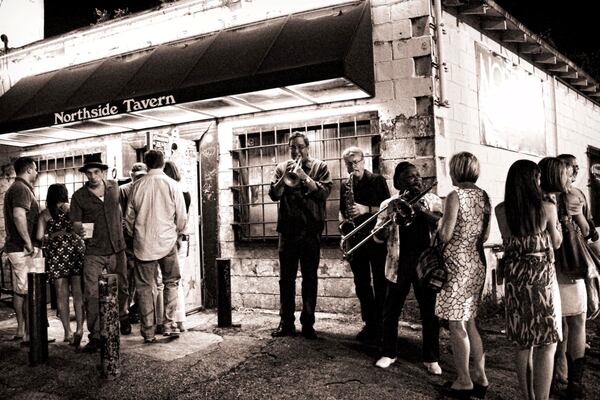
96	215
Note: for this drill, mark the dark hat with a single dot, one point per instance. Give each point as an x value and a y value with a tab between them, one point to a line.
93	161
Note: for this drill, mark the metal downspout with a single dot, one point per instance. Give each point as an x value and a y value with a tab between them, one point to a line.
441	63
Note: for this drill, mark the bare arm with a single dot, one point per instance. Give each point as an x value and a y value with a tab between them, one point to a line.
449	219
20	217
551	224
41	226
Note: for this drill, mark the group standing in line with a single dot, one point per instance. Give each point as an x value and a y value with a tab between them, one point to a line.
542	296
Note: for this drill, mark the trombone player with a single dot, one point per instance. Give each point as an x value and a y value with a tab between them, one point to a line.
301	185
406	240
360	197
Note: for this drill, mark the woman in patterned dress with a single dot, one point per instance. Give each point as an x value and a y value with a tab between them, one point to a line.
464	229
528	225
64	258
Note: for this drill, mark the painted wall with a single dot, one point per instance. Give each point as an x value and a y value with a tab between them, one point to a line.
13	14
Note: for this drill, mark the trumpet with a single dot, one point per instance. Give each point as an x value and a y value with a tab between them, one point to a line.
290	178
400	207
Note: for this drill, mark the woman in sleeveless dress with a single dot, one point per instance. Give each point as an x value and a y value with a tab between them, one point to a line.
464	228
528	225
64	258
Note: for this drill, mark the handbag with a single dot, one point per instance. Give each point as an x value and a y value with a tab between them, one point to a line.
573	256
431	268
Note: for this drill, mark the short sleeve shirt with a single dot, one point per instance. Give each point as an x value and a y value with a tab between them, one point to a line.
19	194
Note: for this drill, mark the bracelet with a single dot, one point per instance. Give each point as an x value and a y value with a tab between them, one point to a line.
593	236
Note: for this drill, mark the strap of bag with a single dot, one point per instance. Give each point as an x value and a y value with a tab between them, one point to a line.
486	221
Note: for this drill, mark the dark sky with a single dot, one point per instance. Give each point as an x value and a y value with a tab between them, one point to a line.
568	25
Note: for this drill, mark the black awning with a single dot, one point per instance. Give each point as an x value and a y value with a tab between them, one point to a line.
279	53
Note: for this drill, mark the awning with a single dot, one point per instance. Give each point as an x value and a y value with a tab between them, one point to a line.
302	59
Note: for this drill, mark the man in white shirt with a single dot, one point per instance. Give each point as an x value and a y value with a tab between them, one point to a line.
155	217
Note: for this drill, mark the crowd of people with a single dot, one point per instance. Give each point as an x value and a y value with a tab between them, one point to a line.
138	231
544	289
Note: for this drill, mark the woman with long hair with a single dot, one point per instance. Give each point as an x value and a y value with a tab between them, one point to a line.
528	225
64	258
464	228
556	177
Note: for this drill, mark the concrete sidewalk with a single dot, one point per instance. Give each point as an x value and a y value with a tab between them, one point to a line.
244	363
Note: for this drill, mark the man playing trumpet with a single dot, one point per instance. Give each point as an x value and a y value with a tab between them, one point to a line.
360	197
301	185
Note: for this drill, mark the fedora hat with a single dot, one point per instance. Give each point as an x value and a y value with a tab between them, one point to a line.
93	161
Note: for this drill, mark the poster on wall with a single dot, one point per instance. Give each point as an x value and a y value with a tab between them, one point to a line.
511	105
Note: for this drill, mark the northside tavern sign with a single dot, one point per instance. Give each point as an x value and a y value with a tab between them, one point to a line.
104	110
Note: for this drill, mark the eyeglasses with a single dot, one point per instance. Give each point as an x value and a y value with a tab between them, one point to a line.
355	162
297	147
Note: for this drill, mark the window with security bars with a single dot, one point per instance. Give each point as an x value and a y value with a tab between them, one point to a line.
258	150
63	169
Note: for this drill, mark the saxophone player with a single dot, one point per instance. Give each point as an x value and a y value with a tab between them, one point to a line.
360	197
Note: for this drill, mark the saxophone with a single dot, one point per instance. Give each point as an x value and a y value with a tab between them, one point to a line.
348	225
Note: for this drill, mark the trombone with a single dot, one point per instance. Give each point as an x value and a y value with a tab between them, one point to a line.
291	178
399	206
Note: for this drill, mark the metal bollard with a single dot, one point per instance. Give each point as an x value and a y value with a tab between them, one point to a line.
109	326
38	318
224	292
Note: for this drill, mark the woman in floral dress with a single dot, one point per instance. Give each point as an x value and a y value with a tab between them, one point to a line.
64	258
528	225
464	228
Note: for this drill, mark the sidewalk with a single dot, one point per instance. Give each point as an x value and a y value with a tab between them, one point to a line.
246	363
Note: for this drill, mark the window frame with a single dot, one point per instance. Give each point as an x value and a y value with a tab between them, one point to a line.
243	222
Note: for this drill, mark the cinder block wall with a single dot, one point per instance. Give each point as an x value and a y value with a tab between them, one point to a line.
402	56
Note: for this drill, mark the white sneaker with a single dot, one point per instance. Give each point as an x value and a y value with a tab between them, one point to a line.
385	362
433	368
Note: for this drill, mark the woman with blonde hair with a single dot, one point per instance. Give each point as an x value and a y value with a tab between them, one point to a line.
464	228
527	223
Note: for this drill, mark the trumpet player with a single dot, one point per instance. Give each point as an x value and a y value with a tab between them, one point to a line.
360	197
301	185
406	240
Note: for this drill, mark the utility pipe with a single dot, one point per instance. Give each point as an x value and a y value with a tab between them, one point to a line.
441	63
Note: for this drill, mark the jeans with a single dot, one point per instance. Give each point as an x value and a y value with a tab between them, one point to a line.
146	275
305	250
394	301
370	259
93	267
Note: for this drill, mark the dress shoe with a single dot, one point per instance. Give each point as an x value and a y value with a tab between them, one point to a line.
284	330
448	391
479	391
433	368
309	333
385	362
92	346
150	340
366	334
125	327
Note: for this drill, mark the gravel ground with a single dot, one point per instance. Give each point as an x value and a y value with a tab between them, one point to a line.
246	363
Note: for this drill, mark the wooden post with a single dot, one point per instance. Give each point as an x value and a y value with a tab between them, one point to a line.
109	326
38	319
224	292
